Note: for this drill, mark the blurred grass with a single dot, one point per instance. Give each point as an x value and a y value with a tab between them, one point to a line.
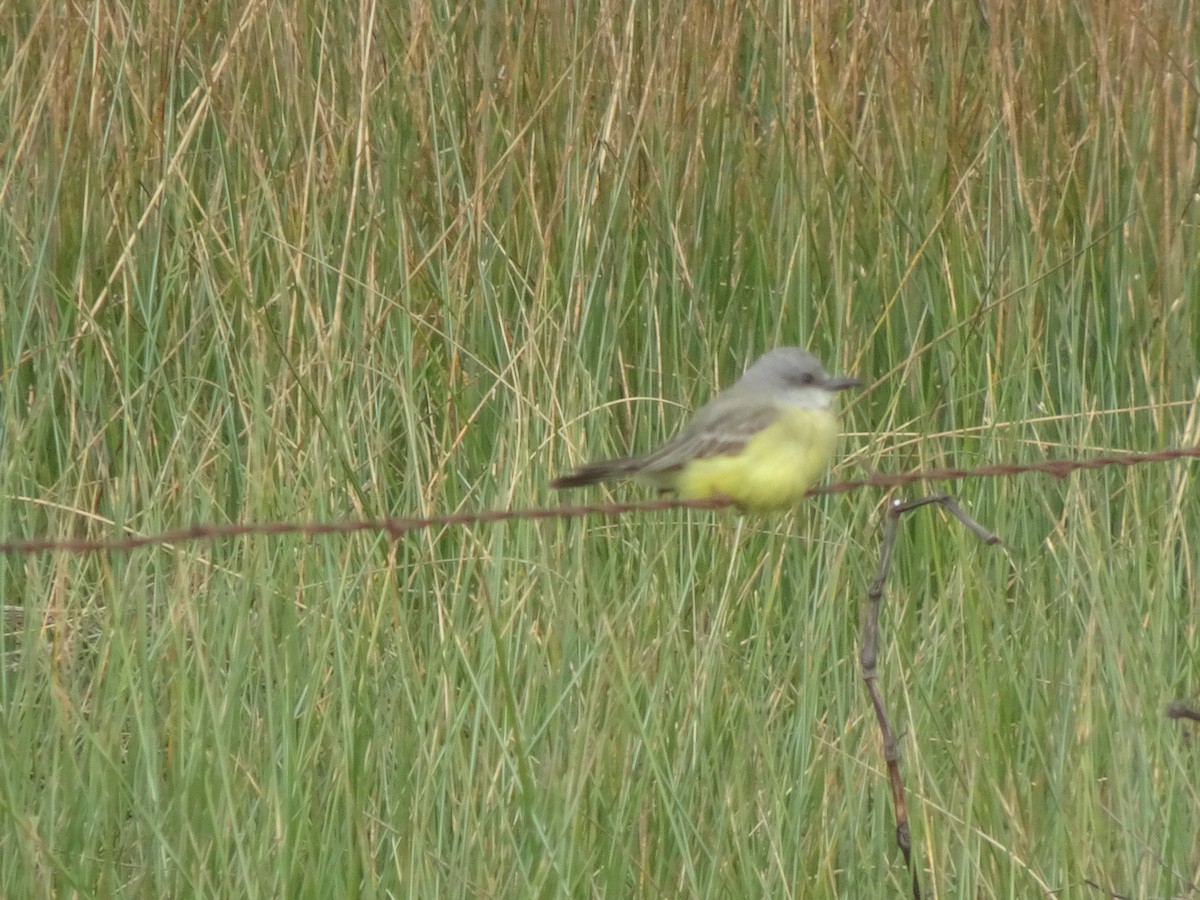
282	261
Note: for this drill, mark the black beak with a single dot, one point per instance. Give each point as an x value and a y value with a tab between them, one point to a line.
841	383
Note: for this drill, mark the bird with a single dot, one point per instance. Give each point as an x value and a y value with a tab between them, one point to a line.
760	444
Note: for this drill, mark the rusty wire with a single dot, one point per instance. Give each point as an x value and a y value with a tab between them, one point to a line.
397	527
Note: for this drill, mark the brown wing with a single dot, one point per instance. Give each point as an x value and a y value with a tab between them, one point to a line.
716	431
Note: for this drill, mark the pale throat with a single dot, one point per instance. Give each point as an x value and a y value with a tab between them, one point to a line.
805	398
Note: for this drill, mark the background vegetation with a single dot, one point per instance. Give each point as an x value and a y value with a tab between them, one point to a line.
288	260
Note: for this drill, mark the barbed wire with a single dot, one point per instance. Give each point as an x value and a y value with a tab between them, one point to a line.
1059	468
398	527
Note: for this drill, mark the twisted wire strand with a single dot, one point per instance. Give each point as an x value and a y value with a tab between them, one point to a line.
397	527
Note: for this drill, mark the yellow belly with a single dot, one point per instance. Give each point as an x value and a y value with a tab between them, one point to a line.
775	468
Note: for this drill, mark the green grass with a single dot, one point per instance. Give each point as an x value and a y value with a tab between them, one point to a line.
296	263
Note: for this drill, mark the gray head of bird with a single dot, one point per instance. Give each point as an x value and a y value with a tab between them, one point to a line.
793	376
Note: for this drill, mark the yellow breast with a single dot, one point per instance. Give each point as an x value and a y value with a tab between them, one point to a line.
774	469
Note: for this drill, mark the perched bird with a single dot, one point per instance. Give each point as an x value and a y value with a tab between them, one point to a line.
761	443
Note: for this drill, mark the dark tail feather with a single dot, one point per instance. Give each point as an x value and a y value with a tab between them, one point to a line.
594	473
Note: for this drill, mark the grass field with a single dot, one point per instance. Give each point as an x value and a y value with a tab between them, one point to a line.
287	261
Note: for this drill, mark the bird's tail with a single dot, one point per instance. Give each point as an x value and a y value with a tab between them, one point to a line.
594	473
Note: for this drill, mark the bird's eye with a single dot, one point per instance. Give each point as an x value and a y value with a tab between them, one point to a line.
806	379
